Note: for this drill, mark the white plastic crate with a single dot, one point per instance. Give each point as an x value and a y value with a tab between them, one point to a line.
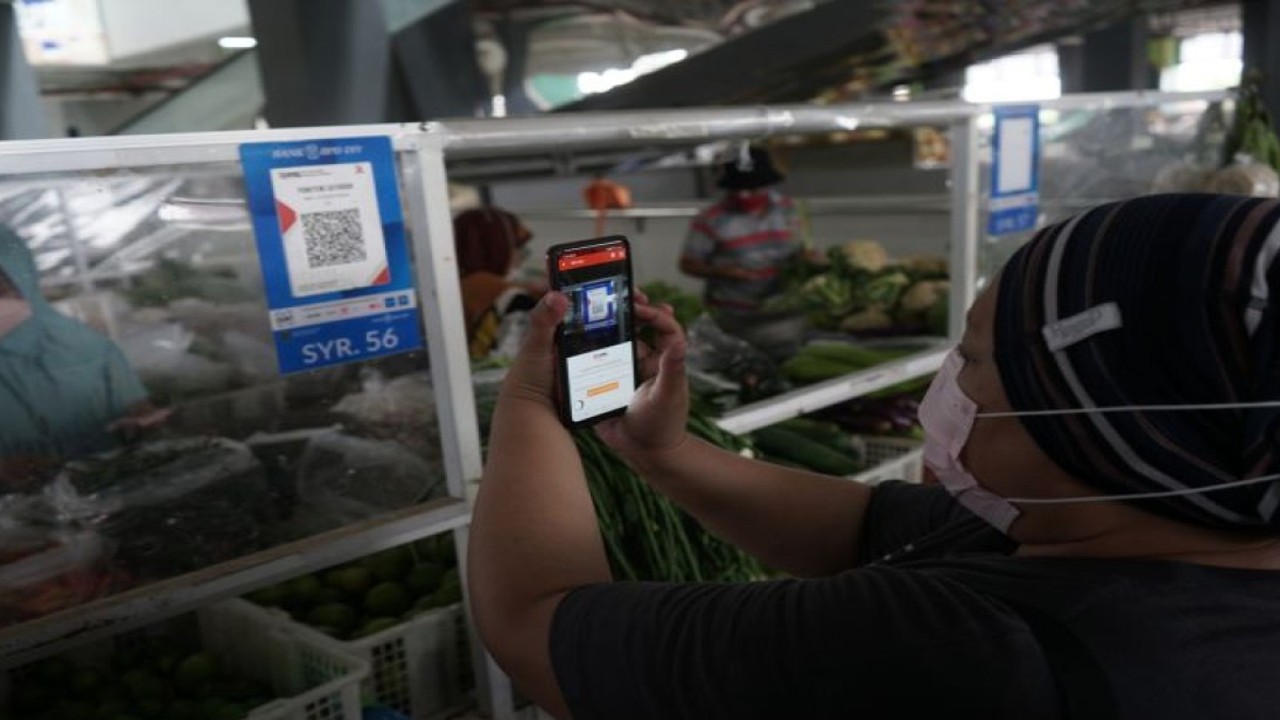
312	680
890	459
416	667
315	680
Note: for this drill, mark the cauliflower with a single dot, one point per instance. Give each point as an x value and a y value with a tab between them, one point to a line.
923	295
871	318
866	255
924	306
925	265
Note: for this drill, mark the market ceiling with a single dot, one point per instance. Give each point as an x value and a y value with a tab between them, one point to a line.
668	12
851	47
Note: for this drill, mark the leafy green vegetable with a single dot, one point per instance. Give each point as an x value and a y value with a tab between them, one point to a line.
646	536
687	306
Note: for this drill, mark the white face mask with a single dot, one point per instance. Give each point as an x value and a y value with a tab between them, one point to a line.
13	312
947	415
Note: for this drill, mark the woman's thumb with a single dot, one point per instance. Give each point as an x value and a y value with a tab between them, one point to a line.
545	316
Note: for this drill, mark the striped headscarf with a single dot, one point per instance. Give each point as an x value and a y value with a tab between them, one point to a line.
1160	300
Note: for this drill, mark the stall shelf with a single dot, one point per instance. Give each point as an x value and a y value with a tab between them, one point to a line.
422	152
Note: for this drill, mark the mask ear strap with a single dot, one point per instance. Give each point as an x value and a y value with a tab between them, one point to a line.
1148	495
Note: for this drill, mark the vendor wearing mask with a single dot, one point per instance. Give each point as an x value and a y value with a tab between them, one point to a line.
490	245
740	246
1104	542
65	390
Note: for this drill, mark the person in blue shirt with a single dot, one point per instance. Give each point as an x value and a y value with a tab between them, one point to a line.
65	389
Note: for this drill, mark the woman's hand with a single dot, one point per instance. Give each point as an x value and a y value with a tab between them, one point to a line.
655	421
532	376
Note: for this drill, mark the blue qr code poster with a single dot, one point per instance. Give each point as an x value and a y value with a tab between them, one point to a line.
331	243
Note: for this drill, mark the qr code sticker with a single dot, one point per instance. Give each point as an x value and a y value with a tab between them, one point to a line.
333	237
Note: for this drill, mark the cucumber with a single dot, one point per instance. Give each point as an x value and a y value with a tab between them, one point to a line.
807	368
825	433
850	354
800	449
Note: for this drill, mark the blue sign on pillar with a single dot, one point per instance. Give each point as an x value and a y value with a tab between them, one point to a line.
1015	170
331	242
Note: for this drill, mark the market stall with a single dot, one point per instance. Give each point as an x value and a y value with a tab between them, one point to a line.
278	480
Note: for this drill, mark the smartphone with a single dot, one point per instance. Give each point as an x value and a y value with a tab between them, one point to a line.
596	353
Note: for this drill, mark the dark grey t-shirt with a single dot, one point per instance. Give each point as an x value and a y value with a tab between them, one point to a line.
954	628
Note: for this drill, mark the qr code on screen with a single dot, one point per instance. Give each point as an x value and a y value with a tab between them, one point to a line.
333	237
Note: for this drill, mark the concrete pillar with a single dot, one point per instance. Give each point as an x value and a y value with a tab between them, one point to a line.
323	62
1112	58
436	73
514	35
1261	20
21	115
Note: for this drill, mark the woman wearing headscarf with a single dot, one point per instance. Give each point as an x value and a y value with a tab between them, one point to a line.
1104	541
64	388
489	243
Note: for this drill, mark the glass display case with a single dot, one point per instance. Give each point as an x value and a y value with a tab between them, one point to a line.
164	460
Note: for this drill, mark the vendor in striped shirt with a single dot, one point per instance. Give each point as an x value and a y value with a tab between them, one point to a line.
740	246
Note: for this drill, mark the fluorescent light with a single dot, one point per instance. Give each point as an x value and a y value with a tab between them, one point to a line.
590	83
233	42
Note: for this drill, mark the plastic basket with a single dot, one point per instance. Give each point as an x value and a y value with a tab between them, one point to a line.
891	459
415	668
312	680
315	680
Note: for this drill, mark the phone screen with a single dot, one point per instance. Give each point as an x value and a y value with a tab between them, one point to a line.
597	356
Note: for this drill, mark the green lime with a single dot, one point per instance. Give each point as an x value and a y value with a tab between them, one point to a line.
389	565
354	580
143	685
303	591
338	616
376	625
195	672
332	595
387	599
424	578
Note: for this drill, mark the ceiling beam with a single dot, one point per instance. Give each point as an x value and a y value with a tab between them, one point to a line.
777	62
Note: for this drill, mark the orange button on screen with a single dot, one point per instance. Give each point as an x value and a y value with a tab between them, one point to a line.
602	389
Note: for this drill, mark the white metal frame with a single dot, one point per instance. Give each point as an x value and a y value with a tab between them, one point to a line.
432	241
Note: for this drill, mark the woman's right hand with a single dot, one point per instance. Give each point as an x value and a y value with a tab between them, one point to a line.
655	421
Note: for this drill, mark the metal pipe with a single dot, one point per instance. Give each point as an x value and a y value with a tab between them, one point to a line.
966	197
471	138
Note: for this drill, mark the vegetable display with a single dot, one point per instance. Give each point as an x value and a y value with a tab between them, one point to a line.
860	290
160	676
686	306
647	537
814	445
824	360
372	594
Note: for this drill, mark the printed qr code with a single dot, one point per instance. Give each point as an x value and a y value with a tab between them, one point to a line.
333	237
